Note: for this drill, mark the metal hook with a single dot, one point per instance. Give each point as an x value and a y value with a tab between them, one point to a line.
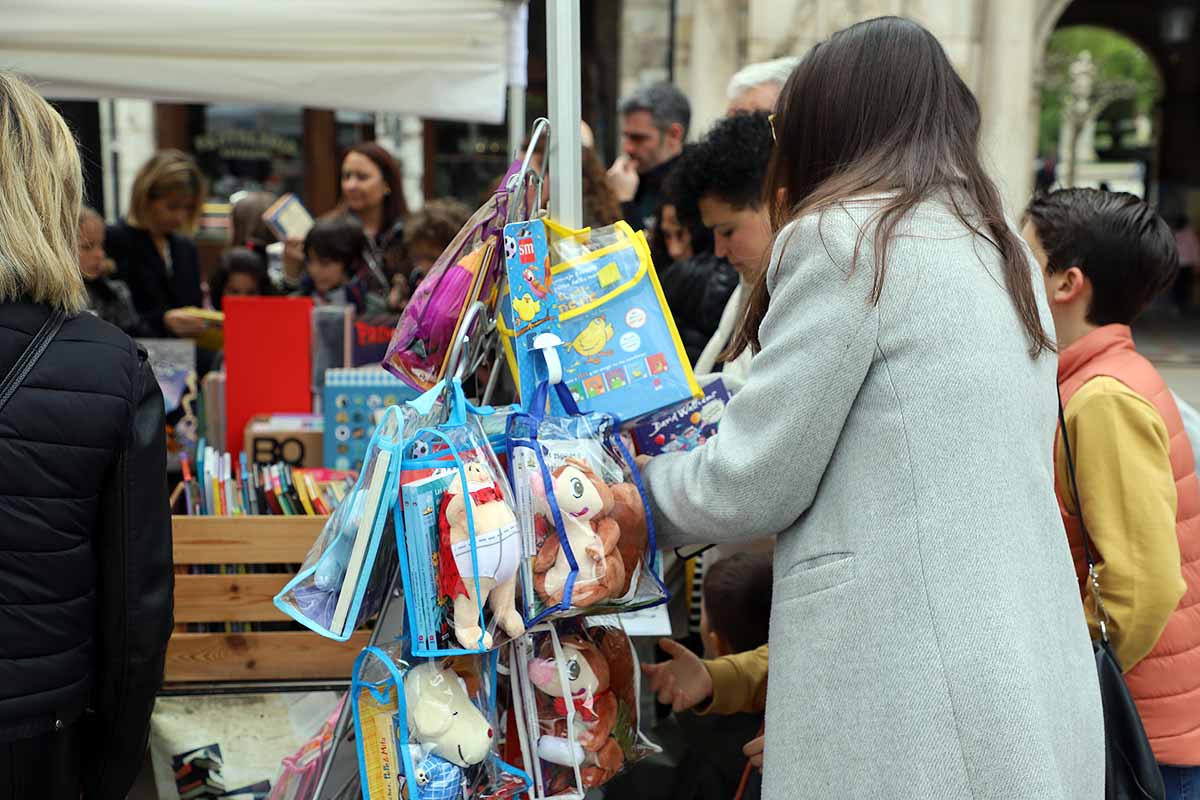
456	362
519	182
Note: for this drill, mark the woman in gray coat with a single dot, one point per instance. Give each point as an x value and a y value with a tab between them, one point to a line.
927	638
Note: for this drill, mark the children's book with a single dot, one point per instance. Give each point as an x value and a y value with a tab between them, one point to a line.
685	426
350	399
288	218
421	496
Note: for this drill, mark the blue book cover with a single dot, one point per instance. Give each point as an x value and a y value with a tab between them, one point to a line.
420	499
350	400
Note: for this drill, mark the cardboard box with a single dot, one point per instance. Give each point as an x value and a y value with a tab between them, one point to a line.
297	439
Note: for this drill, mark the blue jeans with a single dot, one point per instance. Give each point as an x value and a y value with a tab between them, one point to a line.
1183	783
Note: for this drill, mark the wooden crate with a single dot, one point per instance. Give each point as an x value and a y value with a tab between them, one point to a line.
257	655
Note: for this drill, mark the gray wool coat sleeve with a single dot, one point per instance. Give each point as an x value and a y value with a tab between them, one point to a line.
762	470
927	637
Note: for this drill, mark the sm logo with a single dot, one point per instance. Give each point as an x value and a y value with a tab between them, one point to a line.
525	250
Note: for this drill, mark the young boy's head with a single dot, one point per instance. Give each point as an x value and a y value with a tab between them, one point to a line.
736	607
430	231
334	251
1105	256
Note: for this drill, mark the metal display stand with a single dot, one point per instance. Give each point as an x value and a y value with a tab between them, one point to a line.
339	777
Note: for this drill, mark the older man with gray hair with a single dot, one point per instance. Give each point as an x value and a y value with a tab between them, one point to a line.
654	125
756	87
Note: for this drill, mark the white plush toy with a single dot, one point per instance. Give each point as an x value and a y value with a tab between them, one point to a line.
442	718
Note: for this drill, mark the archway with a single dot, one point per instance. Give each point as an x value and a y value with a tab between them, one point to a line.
1167	32
1099	94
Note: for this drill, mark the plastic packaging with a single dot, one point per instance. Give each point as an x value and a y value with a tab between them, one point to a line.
461	549
468	270
345	575
426	729
300	772
584	512
575	706
596	290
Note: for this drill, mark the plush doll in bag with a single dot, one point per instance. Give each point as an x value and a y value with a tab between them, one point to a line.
495	561
601	691
605	527
450	733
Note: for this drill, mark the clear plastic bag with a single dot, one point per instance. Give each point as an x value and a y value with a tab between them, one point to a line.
300	772
461	548
575	703
345	575
583	509
427	729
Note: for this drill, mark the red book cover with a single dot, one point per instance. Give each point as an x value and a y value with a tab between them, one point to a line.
268	360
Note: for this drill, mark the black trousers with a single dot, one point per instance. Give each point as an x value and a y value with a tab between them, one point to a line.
45	766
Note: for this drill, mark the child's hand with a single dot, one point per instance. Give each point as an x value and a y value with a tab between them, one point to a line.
754	750
642	462
683	682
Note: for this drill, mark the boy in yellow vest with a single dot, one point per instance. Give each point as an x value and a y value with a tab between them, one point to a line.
1105	257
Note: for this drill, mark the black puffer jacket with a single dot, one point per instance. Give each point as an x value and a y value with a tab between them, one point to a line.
85	543
697	290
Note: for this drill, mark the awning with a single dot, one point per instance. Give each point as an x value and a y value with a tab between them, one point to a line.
442	59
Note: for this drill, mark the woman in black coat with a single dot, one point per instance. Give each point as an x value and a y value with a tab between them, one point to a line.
151	248
85	534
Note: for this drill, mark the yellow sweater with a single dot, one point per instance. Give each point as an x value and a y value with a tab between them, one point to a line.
1127	489
739	683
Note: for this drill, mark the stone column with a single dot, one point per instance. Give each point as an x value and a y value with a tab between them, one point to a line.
1006	95
714	59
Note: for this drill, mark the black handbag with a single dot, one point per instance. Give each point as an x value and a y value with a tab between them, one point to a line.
1130	769
33	353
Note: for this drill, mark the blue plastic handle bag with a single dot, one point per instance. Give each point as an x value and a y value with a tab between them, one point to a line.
584	511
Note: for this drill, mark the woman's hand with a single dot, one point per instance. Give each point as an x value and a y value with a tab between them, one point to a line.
754	751
683	682
183	324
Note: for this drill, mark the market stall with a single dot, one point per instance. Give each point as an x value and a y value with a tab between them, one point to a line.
450	60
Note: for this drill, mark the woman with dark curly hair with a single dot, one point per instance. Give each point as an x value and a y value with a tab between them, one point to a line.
718	183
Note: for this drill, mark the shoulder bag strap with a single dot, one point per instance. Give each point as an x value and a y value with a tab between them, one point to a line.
33	353
1093	581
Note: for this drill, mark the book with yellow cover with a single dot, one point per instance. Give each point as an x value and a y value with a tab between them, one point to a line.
213	338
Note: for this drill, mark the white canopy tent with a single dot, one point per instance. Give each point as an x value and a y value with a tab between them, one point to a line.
443	59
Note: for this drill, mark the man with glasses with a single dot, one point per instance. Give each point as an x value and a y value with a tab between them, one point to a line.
654	124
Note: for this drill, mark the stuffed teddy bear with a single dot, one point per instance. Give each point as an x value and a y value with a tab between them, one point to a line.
495	561
451	732
589	742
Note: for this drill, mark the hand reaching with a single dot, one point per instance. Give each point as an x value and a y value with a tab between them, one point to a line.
683	682
183	324
754	751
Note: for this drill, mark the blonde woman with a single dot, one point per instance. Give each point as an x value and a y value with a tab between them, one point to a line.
85	537
151	247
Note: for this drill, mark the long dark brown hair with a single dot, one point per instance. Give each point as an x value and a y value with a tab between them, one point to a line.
395	207
878	108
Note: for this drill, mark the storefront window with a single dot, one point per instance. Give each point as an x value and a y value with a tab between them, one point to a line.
251	148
